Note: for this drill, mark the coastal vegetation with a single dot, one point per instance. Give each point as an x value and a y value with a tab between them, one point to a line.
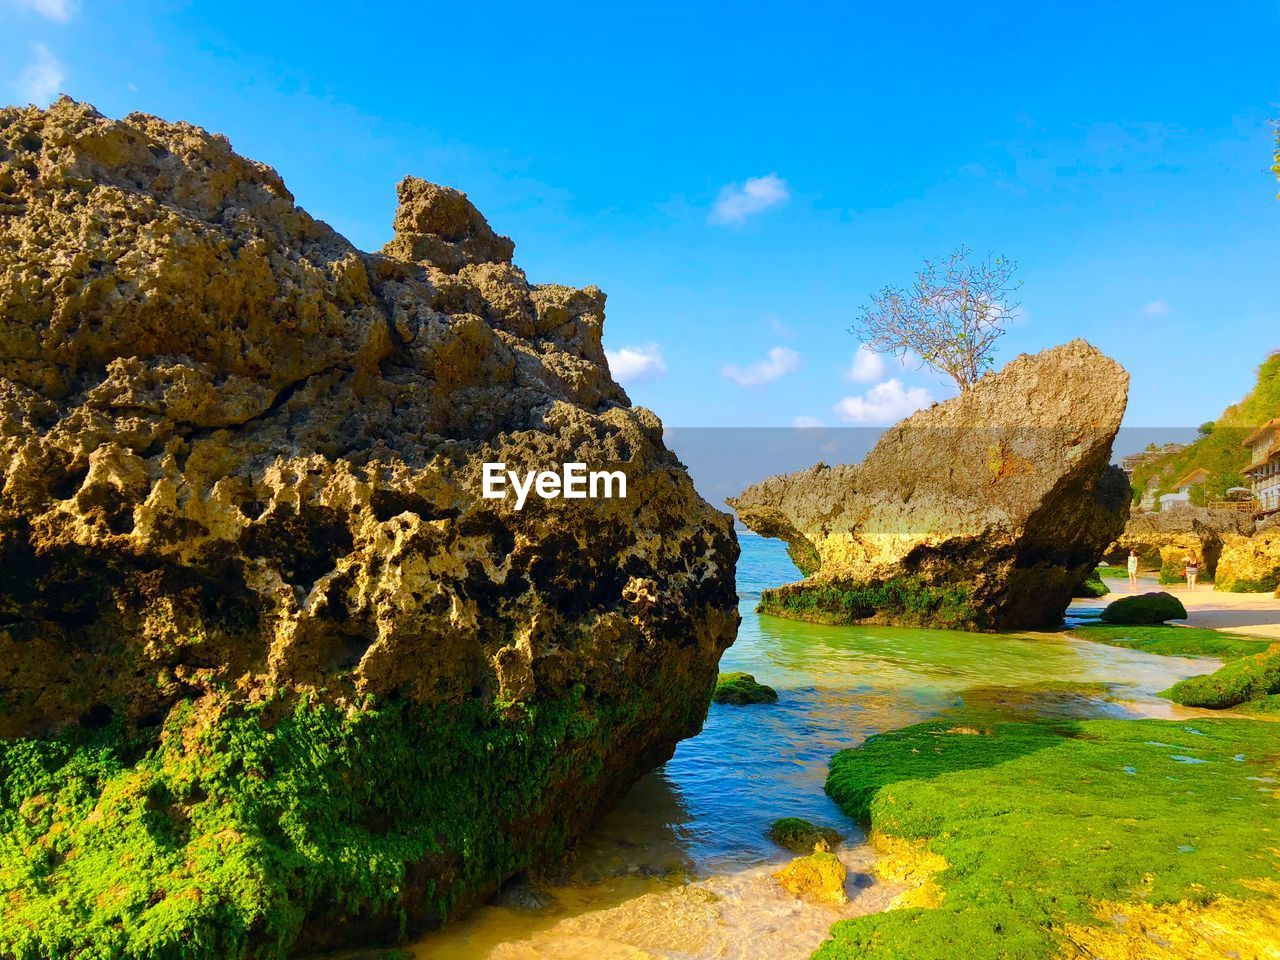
1239	681
1054	834
951	316
1220	450
1093	587
902	600
800	836
240	832
1145	608
740	689
1173	641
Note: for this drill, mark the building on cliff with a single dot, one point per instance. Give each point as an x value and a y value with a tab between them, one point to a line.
1263	470
1181	495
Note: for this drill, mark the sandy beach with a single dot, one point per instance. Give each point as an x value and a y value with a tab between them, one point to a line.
1254	614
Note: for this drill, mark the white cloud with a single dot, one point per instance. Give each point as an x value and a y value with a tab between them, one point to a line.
42	80
633	366
60	10
867	366
884	403
1157	308
806	423
739	201
780	362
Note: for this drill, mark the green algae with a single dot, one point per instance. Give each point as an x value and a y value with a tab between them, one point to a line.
1039	822
1241	680
1172	641
800	836
1263	707
904	600
1144	609
1093	587
226	833
740	689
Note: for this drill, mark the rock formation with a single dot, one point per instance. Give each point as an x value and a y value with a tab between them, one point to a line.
331	691
1162	539
1250	564
986	511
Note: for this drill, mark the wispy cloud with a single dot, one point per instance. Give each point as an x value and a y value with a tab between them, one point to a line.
636	365
1157	308
60	10
738	201
807	423
779	362
780	329
884	403
867	367
42	79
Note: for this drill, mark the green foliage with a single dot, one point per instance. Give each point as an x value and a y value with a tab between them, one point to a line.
740	689
223	835
1243	679
906	600
1093	587
1233	585
1145	608
801	836
1221	451
1111	571
1173	641
1039	822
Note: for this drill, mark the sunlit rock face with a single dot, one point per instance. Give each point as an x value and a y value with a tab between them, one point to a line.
1165	538
242	463
985	511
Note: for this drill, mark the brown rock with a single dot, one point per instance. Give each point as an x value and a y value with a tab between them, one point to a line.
242	460
986	511
1159	536
1250	564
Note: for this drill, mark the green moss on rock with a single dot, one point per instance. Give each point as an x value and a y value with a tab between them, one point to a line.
1040	824
800	836
1241	680
903	600
231	832
1146	608
740	689
1092	588
1173	641
1267	706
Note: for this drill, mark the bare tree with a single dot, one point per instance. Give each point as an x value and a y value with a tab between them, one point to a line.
950	318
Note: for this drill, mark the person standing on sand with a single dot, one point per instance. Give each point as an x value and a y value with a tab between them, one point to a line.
1133	569
1193	571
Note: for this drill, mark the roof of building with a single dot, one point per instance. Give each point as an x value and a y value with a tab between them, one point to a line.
1266	428
1198	475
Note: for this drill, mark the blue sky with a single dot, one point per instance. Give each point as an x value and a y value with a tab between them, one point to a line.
738	178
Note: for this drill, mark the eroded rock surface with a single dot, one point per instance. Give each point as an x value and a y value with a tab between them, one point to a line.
985	511
242	465
1250	564
1162	539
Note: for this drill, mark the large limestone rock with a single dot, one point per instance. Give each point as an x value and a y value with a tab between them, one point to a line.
241	491
1163	539
986	511
1250	564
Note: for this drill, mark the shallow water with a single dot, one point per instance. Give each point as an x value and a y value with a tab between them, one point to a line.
682	869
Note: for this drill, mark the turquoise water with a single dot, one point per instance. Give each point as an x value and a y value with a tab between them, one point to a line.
701	819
